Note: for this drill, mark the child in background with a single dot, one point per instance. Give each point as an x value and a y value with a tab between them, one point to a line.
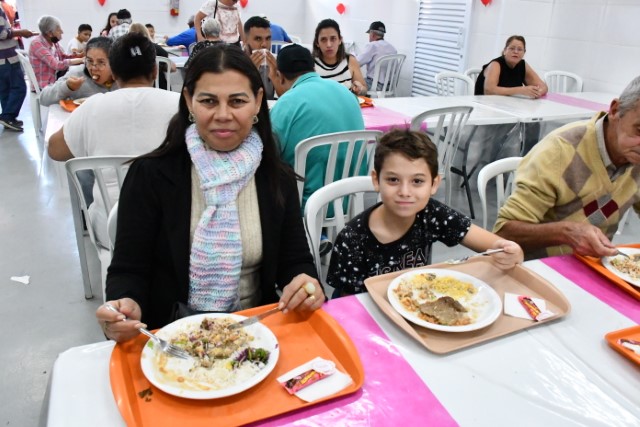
152	32
398	232
78	44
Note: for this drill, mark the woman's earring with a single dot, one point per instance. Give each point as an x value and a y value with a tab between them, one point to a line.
255	120
192	118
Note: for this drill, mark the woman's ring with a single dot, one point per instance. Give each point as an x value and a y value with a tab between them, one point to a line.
312	298
309	288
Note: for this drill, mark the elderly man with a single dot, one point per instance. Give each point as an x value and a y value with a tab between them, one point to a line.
308	106
373	50
573	187
124	22
257	31
185	38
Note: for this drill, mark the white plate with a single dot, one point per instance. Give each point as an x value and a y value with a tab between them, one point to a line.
606	261
263	338
485	306
79	101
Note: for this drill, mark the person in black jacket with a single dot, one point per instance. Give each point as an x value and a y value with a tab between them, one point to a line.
210	219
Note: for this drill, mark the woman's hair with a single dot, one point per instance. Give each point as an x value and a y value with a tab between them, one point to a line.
328	23
108	26
103	43
139	28
516	37
48	23
218	59
210	27
411	144
132	55
630	96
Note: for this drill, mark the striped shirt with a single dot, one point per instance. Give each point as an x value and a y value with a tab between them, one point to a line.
339	72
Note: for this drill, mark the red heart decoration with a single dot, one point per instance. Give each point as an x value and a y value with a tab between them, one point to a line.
341	8
486	2
244	3
101	2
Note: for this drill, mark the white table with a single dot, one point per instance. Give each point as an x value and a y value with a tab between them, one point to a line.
562	373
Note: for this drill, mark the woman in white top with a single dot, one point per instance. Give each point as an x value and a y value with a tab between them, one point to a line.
332	61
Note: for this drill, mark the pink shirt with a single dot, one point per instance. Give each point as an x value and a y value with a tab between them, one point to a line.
46	60
227	16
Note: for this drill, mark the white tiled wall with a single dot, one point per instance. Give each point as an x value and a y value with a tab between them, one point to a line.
597	39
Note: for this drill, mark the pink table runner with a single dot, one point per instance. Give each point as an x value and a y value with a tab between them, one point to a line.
576	102
597	285
380	118
392	392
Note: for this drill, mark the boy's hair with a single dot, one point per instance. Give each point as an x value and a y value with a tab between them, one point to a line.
149	26
84	27
411	144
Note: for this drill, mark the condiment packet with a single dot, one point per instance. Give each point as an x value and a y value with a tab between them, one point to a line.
322	375
515	308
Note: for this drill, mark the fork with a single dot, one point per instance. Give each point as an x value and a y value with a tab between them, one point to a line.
165	346
466	258
619	252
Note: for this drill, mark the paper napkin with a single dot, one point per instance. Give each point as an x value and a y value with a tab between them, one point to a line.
513	307
327	386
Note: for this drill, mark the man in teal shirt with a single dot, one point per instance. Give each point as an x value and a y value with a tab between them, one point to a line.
309	106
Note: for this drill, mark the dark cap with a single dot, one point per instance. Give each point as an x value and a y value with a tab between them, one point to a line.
124	14
377	26
293	59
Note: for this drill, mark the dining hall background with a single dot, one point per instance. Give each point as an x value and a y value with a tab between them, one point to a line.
596	39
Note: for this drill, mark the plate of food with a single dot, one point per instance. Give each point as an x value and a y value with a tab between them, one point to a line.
444	300
628	269
79	101
224	361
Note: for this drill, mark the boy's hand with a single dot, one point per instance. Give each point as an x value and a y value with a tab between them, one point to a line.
511	256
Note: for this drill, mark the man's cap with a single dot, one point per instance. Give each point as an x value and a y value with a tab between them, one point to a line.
377	26
124	14
293	59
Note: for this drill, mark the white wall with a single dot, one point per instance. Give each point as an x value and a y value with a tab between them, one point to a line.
594	38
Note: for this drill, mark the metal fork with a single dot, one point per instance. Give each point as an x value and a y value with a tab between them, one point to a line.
165	346
463	259
619	252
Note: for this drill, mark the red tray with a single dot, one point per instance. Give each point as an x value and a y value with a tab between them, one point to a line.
595	263
300	337
629	333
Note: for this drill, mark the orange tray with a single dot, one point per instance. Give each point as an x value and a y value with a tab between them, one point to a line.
300	337
595	263
629	333
68	105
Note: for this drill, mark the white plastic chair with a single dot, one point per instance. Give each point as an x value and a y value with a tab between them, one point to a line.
503	171
315	211
112	226
563	81
190	48
294	39
167	73
34	96
446	137
276	45
473	73
386	73
114	165
450	83
352	148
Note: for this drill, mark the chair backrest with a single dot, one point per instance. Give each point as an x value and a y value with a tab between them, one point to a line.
386	75
28	70
446	136
276	45
353	147
294	39
190	48
503	171
563	81
112	226
315	211
473	73
167	71
450	83
34	96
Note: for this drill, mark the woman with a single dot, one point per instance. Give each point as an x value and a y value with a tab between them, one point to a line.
332	61
227	14
94	77
211	33
509	74
141	29
45	54
112	21
215	182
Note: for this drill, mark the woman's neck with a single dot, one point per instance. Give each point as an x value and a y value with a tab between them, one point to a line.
137	82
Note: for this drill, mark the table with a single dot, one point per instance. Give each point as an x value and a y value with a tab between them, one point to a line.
562	373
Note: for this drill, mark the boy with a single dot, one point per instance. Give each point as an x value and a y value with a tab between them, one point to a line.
152	32
397	233
78	44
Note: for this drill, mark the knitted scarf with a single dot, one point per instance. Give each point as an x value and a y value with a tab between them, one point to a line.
216	251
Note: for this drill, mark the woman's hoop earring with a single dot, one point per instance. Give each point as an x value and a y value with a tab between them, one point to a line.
255	120
192	118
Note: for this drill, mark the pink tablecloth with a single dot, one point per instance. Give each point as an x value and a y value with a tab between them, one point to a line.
380	118
576	102
392	392
596	284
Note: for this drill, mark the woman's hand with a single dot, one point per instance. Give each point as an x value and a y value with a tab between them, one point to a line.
74	83
113	324
511	256
304	293
358	88
532	91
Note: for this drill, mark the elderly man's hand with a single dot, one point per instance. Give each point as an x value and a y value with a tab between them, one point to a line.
587	239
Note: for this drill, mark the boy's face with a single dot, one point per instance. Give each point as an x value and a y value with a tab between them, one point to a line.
84	36
405	185
152	32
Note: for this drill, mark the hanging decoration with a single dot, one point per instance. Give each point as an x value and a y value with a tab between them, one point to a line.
244	3
174	7
102	2
341	8
486	2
